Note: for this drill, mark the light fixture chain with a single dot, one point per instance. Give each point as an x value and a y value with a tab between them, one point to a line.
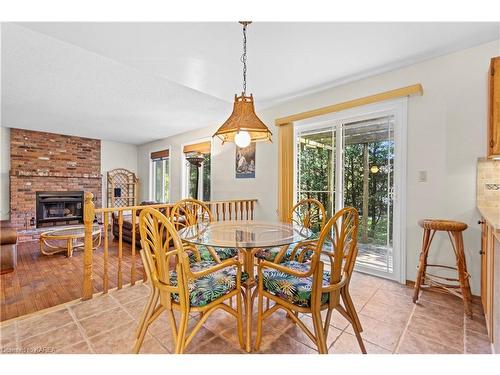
244	59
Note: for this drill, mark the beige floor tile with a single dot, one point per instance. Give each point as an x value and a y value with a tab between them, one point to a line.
385	335
287	345
362	296
216	345
79	348
8	335
121	340
413	343
337	321
219	321
370	281
54	339
477	343
298	334
136	307
348	344
440	332
128	293
392	299
477	324
161	330
440	313
105	321
42	323
386	313
442	299
94	306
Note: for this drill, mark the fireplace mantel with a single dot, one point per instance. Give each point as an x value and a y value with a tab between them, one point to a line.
50	162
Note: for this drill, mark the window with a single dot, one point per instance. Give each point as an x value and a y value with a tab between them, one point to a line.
197	171
161	176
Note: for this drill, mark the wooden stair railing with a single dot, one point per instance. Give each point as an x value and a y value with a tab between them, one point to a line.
238	209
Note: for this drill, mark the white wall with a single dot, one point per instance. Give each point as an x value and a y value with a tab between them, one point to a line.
446	135
116	155
4	172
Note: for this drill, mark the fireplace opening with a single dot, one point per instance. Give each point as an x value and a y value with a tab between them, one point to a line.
59	208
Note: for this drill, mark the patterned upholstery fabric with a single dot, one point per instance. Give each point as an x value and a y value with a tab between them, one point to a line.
223	253
271	253
296	290
208	288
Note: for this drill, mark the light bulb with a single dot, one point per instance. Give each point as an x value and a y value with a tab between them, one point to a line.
242	139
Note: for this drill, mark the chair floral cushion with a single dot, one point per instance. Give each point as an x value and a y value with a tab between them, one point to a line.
296	290
270	254
223	253
208	288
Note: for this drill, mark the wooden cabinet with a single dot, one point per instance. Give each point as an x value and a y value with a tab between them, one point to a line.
494	108
490	247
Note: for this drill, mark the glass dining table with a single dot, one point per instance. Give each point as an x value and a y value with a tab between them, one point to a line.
248	236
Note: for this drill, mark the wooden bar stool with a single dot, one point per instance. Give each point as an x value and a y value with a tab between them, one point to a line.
450	285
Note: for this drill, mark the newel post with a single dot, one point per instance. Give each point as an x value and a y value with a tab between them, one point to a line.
88	219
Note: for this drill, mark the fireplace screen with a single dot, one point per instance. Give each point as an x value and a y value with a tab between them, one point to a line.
56	208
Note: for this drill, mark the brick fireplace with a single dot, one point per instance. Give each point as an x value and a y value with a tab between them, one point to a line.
44	162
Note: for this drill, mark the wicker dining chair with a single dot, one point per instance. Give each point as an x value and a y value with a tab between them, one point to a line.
308	288
309	213
178	284
189	212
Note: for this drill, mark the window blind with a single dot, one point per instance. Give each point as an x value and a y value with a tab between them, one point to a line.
203	148
163	154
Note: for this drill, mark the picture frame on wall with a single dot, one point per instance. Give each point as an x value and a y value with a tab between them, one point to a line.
245	161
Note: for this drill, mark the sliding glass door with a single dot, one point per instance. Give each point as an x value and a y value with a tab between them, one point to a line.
356	159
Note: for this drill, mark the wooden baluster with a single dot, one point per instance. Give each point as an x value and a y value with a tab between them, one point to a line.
230	210
88	219
133	270
241	210
224	211
217	209
105	277
120	248
246	208
251	207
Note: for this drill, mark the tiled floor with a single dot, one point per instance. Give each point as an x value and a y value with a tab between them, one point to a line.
391	322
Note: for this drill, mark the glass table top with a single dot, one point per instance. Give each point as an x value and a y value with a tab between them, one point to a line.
245	234
71	231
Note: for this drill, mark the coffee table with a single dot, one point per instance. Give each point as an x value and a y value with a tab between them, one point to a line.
67	239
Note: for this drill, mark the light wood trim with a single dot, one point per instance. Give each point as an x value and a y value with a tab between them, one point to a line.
203	147
285	170
120	248
88	218
416	89
105	281
133	268
493	145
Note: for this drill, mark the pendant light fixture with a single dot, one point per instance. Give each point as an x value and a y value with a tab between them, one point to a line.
243	126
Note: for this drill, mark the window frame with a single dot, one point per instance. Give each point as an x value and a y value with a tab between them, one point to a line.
184	170
152	182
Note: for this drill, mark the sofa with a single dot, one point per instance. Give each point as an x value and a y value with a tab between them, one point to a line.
127	229
8	250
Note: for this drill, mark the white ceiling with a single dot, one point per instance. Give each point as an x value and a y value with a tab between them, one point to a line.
152	80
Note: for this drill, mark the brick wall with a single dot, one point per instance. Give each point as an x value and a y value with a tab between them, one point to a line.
50	162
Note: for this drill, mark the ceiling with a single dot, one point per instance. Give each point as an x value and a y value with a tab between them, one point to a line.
136	82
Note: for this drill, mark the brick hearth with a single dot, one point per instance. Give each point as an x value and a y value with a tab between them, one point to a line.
50	162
